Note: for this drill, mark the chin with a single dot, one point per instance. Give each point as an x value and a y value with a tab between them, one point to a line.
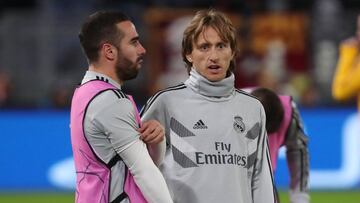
215	79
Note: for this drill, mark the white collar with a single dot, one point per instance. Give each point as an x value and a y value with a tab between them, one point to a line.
93	75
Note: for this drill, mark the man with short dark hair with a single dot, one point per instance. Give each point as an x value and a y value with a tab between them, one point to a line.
111	158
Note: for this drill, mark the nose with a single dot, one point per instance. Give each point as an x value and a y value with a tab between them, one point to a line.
142	50
213	55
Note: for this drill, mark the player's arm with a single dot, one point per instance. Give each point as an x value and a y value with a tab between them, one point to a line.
119	123
297	158
155	110
346	82
262	182
147	176
153	134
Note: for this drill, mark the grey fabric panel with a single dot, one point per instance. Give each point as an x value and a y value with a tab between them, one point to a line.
254	131
182	159
251	159
179	129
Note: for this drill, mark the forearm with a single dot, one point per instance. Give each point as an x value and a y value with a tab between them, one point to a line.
156	112
298	159
157	151
298	162
299	175
146	175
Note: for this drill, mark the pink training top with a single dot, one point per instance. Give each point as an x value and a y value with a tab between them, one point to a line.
277	139
93	175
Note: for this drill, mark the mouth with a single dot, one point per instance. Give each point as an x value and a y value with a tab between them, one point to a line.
214	67
140	60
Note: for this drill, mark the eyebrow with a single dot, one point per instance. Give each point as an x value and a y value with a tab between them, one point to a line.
135	39
202	43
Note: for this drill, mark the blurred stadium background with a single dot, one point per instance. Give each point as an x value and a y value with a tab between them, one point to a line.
287	45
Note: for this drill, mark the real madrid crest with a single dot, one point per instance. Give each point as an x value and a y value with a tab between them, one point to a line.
239	125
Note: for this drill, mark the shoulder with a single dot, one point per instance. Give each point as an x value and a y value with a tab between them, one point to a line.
112	99
246	96
162	95
169	90
249	102
350	42
110	95
165	92
349	46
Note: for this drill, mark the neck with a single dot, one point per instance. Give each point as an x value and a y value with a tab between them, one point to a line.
106	70
203	86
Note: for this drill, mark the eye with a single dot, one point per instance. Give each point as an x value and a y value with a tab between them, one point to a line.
221	45
134	42
204	47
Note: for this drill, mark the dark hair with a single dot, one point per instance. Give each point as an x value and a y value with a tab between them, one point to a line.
274	109
209	18
100	28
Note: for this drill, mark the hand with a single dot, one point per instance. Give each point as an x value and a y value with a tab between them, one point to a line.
151	132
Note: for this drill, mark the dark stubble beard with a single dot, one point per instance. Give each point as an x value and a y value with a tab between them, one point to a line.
126	70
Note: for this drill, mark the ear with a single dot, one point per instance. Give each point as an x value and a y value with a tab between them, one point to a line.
188	57
233	54
109	51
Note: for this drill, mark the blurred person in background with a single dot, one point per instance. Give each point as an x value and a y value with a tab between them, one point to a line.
61	95
285	128
346	82
5	90
216	151
61	98
109	146
174	72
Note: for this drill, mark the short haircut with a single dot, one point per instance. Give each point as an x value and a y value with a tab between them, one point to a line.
274	109
202	20
100	28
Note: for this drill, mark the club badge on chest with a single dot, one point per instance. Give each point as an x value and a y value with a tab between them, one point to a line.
239	125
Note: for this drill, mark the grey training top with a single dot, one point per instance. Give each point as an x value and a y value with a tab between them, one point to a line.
216	142
111	128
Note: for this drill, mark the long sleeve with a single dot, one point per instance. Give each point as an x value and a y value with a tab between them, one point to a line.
157	151
297	158
155	110
346	82
262	182
146	175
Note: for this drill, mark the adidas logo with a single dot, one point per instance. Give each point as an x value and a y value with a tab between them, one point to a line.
200	125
